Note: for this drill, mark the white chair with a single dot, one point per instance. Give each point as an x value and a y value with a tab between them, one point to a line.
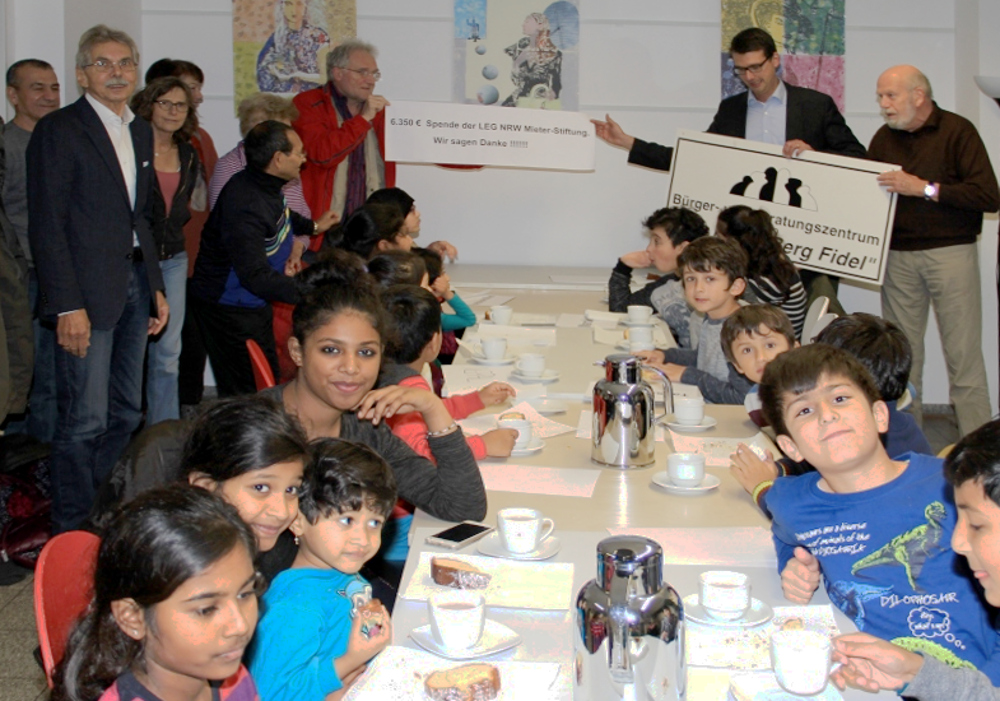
820	324
817	309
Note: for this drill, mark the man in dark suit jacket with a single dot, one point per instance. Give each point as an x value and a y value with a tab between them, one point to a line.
90	180
812	120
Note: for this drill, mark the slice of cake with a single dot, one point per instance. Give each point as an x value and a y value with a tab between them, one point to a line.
468	682
458	574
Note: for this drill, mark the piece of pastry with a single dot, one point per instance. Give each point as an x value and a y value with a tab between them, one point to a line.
457	574
468	682
511	416
794	623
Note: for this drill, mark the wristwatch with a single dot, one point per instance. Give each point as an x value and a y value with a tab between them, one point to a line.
930	191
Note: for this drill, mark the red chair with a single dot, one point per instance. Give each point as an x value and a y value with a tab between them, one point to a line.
262	373
64	584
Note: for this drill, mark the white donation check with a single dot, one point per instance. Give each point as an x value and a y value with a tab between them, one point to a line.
829	210
441	132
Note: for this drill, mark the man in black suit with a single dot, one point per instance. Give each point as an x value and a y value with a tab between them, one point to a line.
90	181
811	119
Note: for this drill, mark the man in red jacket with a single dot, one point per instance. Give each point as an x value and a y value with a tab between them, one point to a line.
342	125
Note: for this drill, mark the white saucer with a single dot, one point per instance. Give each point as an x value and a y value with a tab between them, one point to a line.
496	638
534	445
707	422
625	346
483	360
757	614
548	406
546	377
628	322
491	545
710	482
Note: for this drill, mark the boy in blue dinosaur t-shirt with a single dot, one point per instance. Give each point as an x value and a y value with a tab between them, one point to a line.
319	625
876	529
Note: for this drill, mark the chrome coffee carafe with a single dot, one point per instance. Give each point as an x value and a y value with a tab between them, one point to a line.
624	431
629	639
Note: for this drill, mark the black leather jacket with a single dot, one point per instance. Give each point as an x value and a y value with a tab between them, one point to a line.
168	230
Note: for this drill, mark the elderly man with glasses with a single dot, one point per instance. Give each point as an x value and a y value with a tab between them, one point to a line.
90	188
342	125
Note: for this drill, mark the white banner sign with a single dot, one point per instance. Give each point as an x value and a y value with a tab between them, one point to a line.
830	212
441	132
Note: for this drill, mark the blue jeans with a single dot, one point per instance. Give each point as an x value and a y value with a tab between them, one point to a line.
100	406
165	350
40	421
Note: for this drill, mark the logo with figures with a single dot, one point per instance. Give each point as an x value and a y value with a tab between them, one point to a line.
775	185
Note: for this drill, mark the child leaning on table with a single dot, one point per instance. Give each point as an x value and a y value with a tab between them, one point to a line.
670	229
885	352
875	529
319	626
713	271
973	470
415	317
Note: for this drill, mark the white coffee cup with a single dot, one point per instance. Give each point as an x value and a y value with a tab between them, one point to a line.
686	469
523	530
801	660
724	595
639	313
689	411
523	428
640	334
457	618
501	314
531	364
494	348
637	346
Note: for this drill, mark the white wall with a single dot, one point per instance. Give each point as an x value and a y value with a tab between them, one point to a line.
652	64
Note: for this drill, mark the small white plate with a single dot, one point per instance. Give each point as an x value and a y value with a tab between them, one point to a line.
710	482
491	545
547	376
631	324
534	445
548	406
483	360
707	422
757	614
496	638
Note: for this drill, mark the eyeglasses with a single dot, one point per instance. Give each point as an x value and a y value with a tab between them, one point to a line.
168	106
103	65
740	71
365	73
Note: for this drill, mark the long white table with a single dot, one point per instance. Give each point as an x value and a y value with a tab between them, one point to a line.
729	527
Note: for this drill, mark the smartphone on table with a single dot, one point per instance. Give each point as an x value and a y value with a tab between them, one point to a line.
459	535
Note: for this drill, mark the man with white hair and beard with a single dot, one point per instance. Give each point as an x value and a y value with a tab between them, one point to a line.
945	185
90	186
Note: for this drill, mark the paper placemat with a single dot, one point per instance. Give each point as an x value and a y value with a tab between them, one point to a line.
749	546
570	321
462	379
532	479
602	318
495	300
523	319
545	586
717	451
746	649
585	428
398	673
541	426
613	336
475	298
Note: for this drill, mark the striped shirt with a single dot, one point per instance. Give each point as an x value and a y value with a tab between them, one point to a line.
766	291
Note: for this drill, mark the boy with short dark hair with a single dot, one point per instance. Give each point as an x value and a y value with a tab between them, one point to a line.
884	349
415	342
973	470
319	625
670	230
752	337
876	529
714	275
